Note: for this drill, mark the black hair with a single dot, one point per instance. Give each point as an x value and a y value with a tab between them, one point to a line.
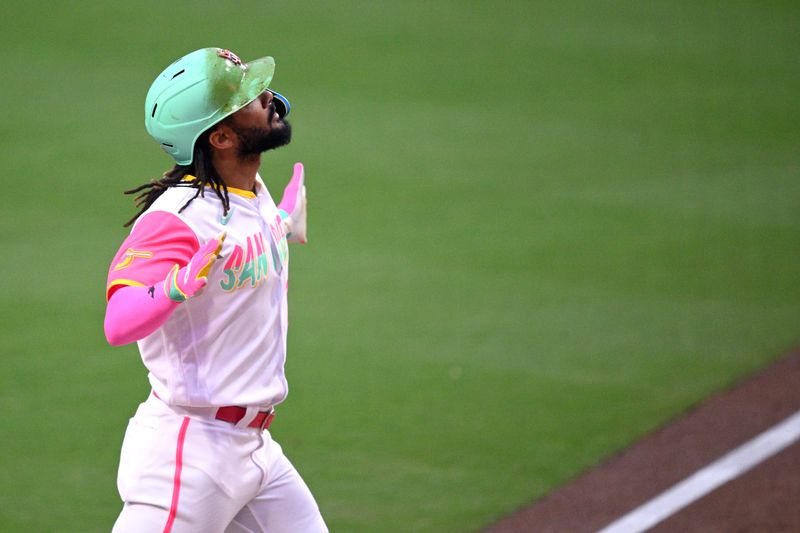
203	175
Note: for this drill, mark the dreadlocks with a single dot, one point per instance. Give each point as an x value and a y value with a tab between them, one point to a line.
202	173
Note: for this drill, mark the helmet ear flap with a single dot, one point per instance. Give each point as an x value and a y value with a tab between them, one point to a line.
282	105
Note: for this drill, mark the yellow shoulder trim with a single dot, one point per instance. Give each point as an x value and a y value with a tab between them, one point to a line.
233	190
242	192
126	282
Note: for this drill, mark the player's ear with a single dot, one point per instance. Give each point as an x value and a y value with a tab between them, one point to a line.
221	138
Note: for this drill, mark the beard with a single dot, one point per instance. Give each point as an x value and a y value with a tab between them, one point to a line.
256	140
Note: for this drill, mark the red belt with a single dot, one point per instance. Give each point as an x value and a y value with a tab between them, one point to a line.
233	414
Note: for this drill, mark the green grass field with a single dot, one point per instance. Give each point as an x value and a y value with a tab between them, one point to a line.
538	230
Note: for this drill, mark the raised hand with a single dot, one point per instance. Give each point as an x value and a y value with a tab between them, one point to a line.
293	206
181	284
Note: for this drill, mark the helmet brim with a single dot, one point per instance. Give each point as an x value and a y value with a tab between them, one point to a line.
257	77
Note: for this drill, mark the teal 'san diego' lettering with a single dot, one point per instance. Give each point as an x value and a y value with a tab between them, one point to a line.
249	265
246	267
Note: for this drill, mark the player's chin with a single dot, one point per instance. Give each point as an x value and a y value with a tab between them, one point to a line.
278	136
284	130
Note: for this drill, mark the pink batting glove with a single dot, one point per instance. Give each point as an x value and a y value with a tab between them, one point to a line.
293	207
182	284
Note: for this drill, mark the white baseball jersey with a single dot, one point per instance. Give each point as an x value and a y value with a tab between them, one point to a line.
226	345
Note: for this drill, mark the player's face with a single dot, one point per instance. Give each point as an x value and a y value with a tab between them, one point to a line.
258	127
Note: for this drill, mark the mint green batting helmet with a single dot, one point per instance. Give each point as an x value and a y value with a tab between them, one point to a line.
197	91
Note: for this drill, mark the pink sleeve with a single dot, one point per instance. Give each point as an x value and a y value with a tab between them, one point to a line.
158	241
137	304
133	313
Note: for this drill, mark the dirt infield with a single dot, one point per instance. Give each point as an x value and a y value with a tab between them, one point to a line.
766	498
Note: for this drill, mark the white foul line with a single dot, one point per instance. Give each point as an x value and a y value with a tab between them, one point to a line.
727	467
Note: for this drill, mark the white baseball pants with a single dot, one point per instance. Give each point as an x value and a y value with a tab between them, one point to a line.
185	474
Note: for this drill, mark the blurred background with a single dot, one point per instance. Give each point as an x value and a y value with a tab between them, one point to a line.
538	230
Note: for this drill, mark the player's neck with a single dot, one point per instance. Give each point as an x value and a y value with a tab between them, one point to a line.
238	173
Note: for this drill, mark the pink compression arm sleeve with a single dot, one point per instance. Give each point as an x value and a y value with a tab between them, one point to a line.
137	302
133	313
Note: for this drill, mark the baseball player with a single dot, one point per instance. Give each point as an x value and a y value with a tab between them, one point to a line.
201	283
